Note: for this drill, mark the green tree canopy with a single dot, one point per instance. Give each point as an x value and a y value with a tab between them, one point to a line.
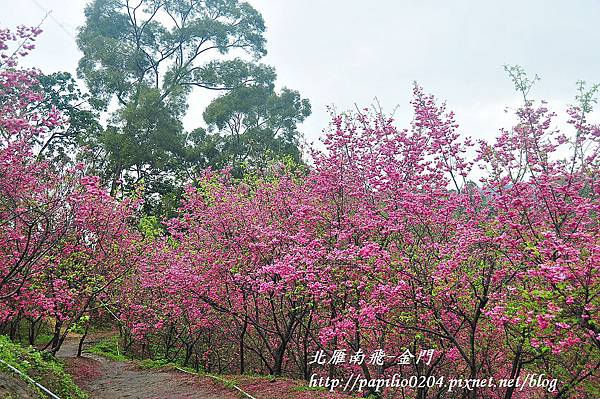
81	122
141	60
252	126
169	46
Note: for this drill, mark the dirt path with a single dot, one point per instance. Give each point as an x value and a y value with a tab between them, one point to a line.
13	387
107	379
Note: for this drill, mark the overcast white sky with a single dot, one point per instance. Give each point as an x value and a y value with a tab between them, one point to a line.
342	52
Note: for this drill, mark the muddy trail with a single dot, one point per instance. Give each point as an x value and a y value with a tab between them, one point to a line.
107	379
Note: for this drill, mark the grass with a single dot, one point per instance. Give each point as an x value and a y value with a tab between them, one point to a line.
154	364
42	367
43	339
109	348
307	388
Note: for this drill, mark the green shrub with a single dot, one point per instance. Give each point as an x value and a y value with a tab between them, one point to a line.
41	366
109	348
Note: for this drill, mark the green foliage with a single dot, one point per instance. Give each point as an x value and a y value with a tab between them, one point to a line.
44	338
162	45
143	145
81	128
150	227
42	367
155	363
586	97
79	326
306	388
146	58
253	126
523	83
109	348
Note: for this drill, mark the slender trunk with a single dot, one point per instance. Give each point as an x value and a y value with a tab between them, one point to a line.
14	328
33	331
305	367
242	345
279	355
188	354
515	371
80	346
56	336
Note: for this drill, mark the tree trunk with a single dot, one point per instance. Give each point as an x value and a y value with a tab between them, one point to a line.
243	346
80	346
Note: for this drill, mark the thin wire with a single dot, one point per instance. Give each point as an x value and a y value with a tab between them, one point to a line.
246	394
56	21
28	378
